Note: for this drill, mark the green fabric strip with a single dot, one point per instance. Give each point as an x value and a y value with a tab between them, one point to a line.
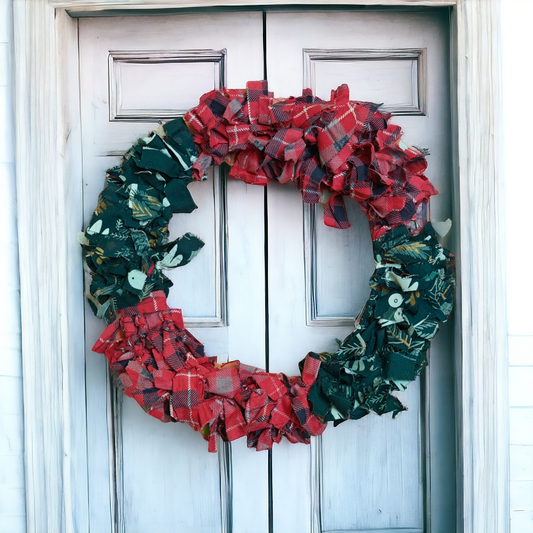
411	293
126	242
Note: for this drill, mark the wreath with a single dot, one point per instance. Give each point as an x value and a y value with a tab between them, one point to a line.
329	150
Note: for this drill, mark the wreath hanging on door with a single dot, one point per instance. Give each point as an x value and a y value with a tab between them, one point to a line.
329	150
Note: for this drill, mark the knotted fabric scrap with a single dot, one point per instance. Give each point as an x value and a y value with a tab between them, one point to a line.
328	149
126	243
163	367
411	294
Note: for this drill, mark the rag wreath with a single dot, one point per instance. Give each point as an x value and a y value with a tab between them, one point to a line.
329	150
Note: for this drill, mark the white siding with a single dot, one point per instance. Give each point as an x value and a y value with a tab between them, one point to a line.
12	508
518	115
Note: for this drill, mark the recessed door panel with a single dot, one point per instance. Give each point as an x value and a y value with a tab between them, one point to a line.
369	474
136	71
375	474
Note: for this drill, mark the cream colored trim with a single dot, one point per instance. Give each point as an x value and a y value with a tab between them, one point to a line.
48	153
103	5
482	405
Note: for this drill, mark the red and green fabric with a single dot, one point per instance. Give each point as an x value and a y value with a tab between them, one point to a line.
329	150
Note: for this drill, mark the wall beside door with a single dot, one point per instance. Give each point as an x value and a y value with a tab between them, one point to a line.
518	114
12	508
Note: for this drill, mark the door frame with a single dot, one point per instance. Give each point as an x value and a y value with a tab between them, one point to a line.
48	152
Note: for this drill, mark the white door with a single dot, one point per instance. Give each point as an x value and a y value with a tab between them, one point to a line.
373	474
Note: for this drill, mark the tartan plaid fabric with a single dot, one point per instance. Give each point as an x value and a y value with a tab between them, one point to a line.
163	367
328	149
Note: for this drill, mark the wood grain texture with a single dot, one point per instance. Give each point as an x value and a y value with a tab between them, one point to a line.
102	5
378	457
197	290
54	420
54	417
12	506
481	365
133	74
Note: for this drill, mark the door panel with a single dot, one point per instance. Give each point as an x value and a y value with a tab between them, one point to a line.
135	71
331	297
368	474
161	75
372	474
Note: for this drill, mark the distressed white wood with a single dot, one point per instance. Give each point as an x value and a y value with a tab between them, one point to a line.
388	530
394	78
10	356
207	304
331	299
235	222
103	36
6	151
380	459
482	395
48	217
55	482
102	5
163	75
11	363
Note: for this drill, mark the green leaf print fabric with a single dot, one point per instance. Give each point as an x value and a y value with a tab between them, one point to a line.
411	292
126	242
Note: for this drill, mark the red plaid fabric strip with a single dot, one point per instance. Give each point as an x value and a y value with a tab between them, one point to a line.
272	384
329	149
224	381
163	367
256	90
311	366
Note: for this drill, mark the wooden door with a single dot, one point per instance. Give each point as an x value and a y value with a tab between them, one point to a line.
373	474
135	71
376	473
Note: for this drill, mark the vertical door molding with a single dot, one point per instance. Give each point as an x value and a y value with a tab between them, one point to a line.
481	367
49	216
48	152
